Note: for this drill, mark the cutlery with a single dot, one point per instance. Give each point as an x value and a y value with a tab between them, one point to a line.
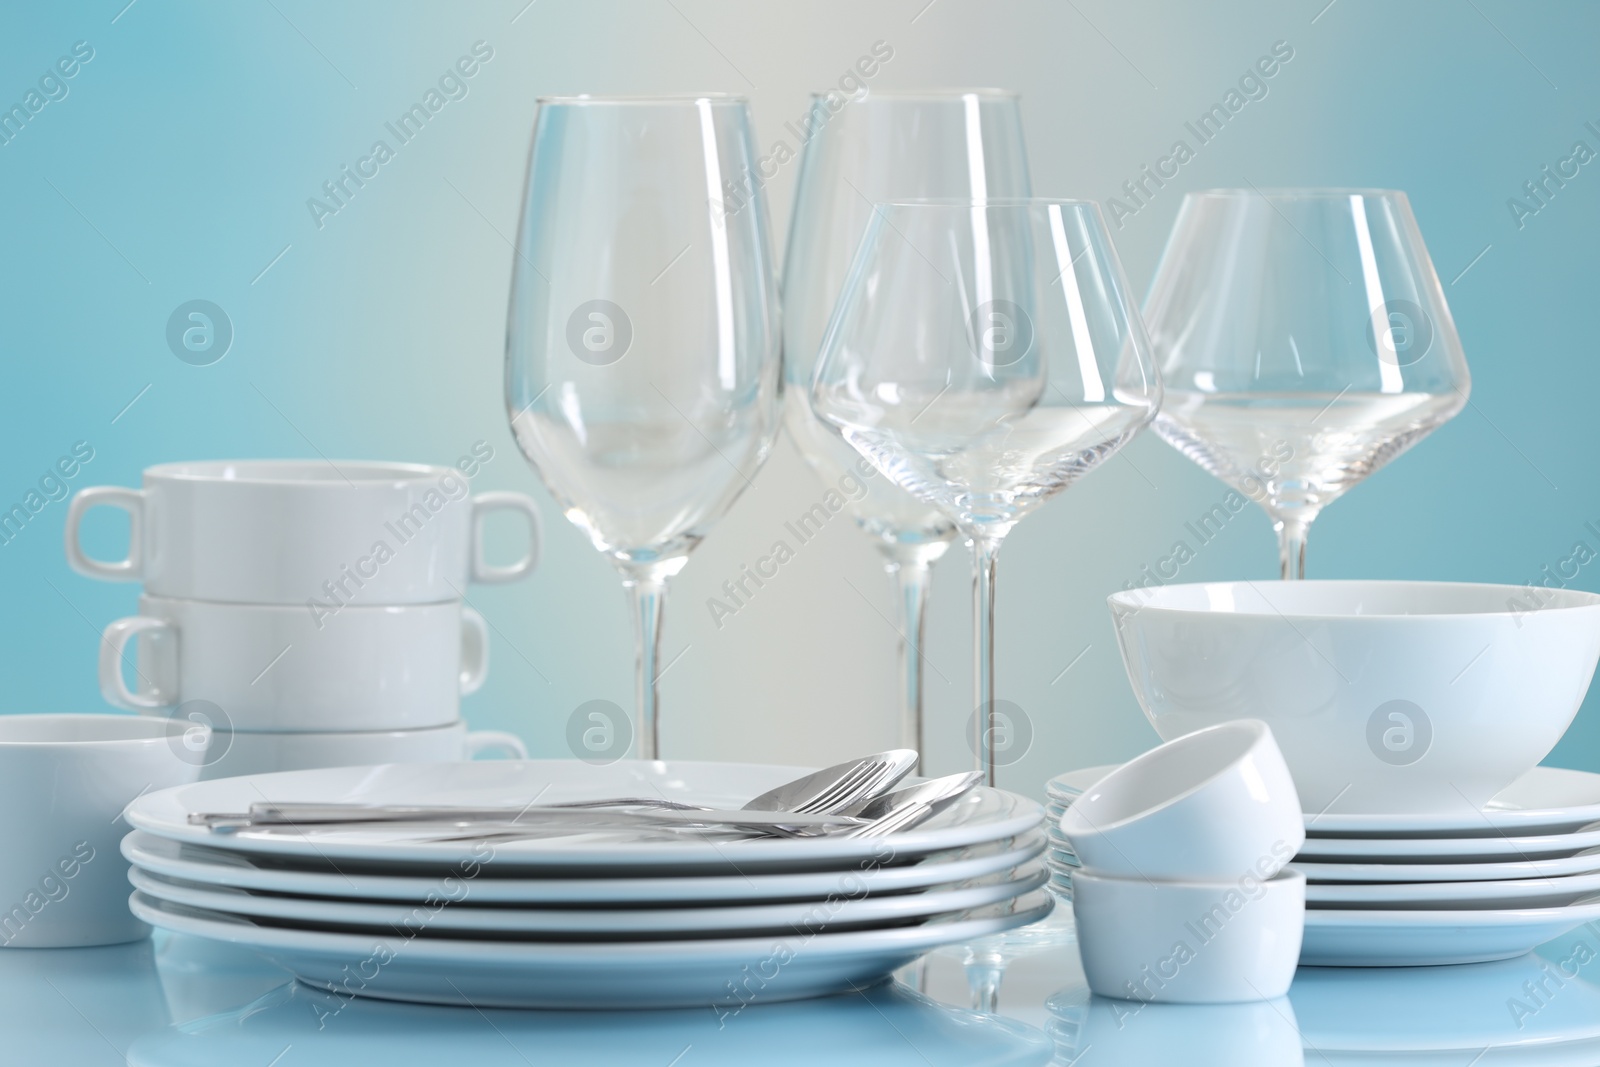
819	793
341	816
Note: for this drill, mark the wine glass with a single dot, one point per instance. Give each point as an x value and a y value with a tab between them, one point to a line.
642	352
984	356
1305	342
864	150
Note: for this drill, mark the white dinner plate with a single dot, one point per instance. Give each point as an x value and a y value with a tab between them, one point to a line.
196	863
1583	863
621	974
1514	893
1546	800
1490	848
984	814
1358	938
1063	788
463	914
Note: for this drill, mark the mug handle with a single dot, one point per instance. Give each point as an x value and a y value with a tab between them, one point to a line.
510	745
130	569
482	505
474	651
113	644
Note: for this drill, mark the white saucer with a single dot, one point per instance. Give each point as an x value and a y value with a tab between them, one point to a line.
1360	938
1491	848
464	914
1515	893
1546	800
981	815
214	867
1064	787
1583	863
622	974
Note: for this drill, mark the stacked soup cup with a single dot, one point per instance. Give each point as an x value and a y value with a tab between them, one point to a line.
1182	895
311	613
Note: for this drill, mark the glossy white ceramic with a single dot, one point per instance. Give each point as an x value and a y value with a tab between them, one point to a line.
1489	848
1214	805
1546	800
1386	697
1586	862
1407	938
234	753
982	815
285	531
1511	893
620	974
463	913
275	667
1189	942
197	863
64	780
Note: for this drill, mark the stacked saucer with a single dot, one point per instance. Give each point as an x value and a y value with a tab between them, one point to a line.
1060	792
580	918
1409	890
1455	888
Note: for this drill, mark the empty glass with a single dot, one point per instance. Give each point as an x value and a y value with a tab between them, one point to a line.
984	356
864	150
1305	342
642	349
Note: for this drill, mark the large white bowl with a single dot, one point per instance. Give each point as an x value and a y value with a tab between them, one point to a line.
1404	697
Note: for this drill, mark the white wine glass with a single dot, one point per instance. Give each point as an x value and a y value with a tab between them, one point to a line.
642	351
985	355
866	149
1305	342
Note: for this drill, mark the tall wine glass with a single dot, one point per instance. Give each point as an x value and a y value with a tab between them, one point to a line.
864	150
642	353
985	355
1305	342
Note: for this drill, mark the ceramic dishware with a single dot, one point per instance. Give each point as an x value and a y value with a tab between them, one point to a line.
1337	937
280	667
731	971
981	815
1217	804
237	752
285	531
1387	697
64	780
1189	942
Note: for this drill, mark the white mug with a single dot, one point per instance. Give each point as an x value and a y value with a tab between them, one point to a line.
251	753
302	532
64	780
271	667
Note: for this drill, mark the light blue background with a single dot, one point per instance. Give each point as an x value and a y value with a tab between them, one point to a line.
179	166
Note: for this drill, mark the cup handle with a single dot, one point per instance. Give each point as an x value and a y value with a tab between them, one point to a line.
482	505
113	644
130	569
474	651
510	745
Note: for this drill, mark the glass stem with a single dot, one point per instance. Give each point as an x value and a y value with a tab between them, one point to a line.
984	975
1292	547
911	570
647	590
985	549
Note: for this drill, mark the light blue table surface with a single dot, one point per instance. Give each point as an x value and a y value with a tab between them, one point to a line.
180	1002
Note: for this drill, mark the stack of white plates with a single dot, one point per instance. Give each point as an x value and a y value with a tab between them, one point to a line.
1455	888
1407	890
595	919
1060	792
